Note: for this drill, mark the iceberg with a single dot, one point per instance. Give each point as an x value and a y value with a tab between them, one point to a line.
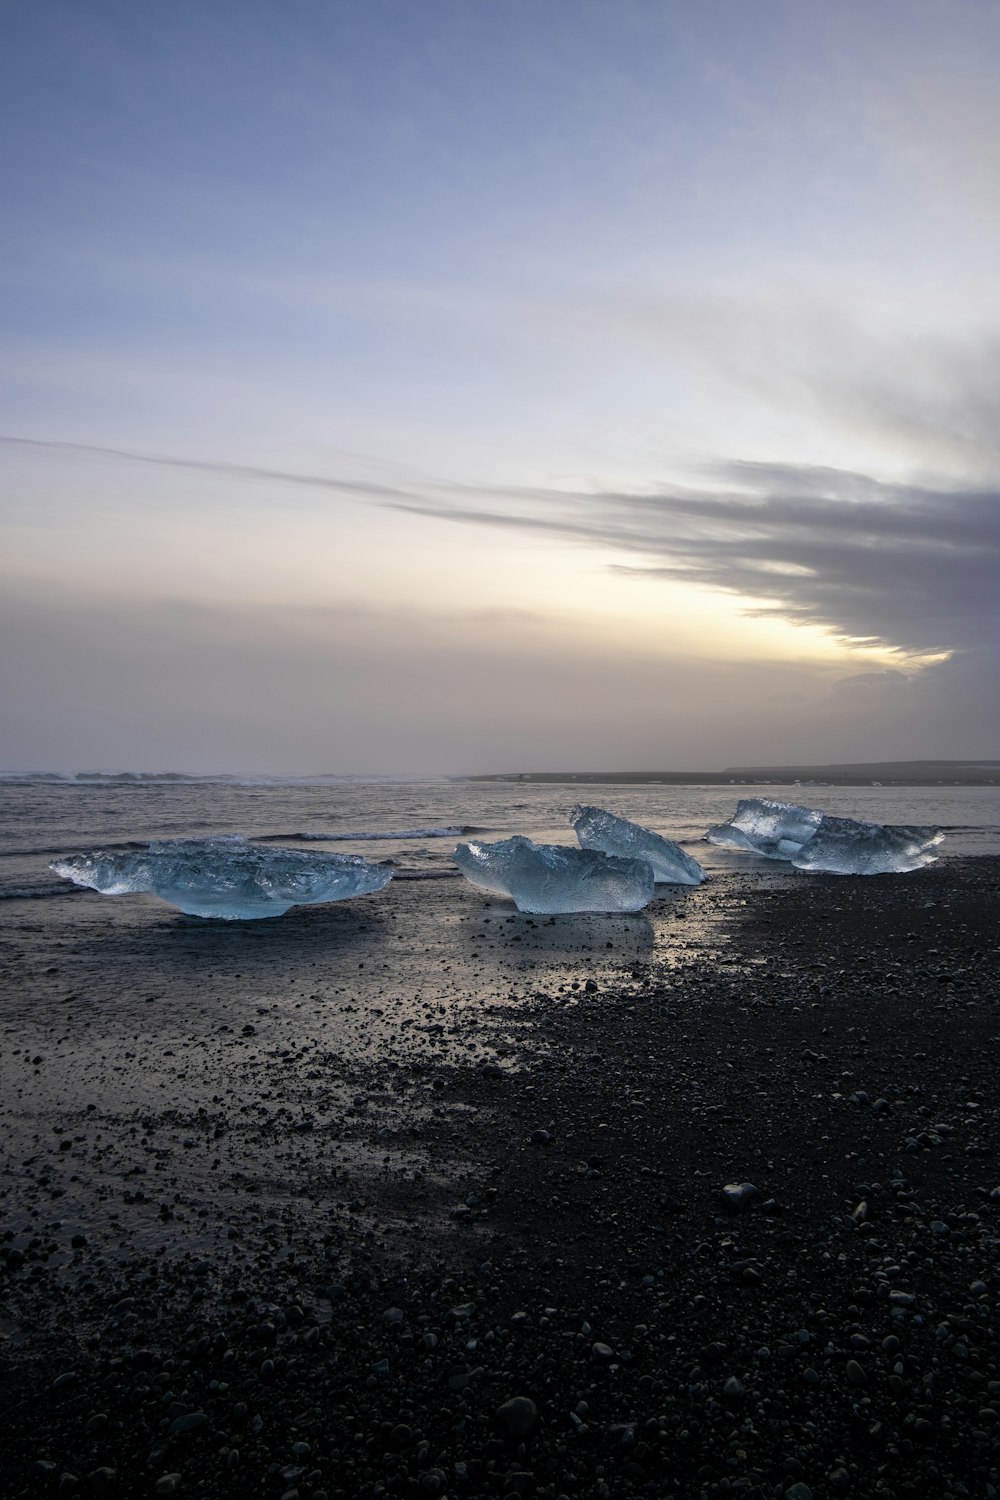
553	878
225	877
842	846
823	844
598	829
774	829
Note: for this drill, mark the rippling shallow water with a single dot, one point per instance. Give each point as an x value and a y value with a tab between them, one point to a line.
38	822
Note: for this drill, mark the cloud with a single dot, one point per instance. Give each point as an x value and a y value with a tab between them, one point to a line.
865	689
906	566
128	681
119	681
895	369
352	486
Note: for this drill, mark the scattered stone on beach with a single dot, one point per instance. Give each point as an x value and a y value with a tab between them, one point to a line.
652	1341
738	1195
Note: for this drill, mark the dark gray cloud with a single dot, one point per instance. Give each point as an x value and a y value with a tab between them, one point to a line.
904	565
900	564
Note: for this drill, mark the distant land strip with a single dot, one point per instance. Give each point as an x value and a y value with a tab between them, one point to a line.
859	773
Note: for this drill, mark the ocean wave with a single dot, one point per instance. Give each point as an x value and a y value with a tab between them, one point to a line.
195	778
115	845
34	892
23	852
455	832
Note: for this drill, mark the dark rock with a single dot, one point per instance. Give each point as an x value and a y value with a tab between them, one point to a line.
738	1195
517	1417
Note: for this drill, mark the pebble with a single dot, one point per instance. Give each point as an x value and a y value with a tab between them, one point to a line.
517	1417
736	1195
189	1422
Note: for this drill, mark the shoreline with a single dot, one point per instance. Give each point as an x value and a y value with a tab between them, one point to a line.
466	1157
739	781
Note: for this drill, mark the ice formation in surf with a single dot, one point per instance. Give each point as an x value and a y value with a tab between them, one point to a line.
777	830
553	878
820	843
598	829
842	846
225	877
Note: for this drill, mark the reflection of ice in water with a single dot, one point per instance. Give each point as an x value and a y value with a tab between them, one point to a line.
551	878
818	842
598	829
226	877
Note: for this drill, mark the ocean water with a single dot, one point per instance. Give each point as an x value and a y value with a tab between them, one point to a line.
415	824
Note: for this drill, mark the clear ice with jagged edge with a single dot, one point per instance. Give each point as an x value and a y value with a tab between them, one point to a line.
226	877
843	846
553	878
596	828
823	844
777	830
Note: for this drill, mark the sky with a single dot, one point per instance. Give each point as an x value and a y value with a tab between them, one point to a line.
486	385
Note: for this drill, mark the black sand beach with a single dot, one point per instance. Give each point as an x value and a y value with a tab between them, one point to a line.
417	1197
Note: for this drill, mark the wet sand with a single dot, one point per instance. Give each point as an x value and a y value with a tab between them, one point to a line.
303	1206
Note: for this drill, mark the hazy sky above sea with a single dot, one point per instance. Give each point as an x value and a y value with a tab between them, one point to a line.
444	385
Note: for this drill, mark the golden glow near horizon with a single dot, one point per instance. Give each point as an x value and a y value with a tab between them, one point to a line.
188	544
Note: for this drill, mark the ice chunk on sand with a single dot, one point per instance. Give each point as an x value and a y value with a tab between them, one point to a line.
774	829
225	877
598	829
816	841
841	846
551	878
